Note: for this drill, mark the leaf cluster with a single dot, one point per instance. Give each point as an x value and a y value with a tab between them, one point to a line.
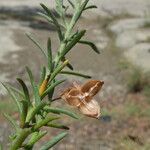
38	112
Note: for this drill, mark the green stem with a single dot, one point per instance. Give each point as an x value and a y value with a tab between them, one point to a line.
58	56
23	134
73	21
64	43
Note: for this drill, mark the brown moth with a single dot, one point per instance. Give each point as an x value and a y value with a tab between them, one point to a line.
81	97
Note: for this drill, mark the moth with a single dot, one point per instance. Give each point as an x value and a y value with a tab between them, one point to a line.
81	97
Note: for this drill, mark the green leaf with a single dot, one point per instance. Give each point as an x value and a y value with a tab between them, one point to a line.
21	136
37	96
25	90
68	65
12	121
30	76
49	54
33	111
92	45
84	3
73	42
75	74
71	3
62	111
49	19
14	98
36	136
36	43
80	9
20	93
50	94
59	7
12	136
44	122
43	75
51	87
50	14
54	141
58	69
58	126
90	7
46	17
34	87
24	113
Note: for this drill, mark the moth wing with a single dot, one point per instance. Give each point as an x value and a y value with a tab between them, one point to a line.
90	109
92	87
72	97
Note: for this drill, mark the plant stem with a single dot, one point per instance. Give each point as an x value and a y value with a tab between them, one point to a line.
23	134
73	21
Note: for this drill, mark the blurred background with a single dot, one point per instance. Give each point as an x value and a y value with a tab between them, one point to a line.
121	30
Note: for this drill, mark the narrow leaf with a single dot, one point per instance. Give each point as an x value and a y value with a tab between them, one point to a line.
37	96
24	113
51	92
71	3
33	111
58	69
73	42
51	87
36	136
59	7
49	19
19	92
50	14
43	75
90	7
36	43
46	17
30	76
62	111
80	8
14	98
49	54
34	87
54	141
75	74
12	121
68	65
25	90
44	122
58	126
92	45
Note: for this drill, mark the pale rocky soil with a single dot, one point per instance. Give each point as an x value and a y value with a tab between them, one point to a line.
120	28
